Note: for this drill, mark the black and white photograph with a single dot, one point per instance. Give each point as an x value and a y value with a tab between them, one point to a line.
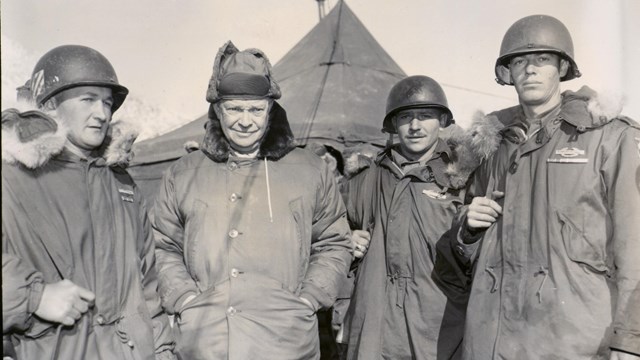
320	179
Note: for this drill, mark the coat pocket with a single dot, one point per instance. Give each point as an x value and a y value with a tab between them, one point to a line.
580	249
184	317
136	333
192	232
304	237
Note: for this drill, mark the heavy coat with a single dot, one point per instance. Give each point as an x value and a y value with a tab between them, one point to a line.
558	276
397	311
250	237
41	186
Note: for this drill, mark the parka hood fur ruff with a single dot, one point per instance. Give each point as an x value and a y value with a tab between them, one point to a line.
484	135
277	141
47	143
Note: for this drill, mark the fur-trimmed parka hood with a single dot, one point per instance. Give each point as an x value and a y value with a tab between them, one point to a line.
278	140
32	138
484	135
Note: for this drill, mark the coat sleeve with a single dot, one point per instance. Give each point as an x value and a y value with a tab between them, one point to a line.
162	334
359	192
456	250
175	282
622	177
22	287
331	251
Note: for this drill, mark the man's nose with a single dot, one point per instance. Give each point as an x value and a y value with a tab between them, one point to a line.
100	111
245	119
530	67
414	124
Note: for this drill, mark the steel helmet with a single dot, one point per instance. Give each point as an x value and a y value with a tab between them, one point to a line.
70	66
416	91
535	33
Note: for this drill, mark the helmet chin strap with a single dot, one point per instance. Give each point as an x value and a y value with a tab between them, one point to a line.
390	140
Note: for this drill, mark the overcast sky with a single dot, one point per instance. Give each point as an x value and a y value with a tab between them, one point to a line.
163	50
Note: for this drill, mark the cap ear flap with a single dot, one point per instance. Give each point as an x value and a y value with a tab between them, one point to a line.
504	75
212	91
274	90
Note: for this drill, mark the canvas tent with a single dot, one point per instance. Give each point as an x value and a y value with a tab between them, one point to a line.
334	86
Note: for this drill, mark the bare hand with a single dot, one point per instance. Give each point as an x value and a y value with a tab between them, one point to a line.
360	242
618	355
64	302
484	211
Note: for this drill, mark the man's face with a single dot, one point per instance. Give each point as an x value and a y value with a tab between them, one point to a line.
86	111
418	131
536	77
244	122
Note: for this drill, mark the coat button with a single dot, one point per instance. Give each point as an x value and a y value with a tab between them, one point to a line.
231	311
233	233
233	165
100	320
234	197
460	250
130	343
235	272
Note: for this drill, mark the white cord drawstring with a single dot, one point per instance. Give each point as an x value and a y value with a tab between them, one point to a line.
266	170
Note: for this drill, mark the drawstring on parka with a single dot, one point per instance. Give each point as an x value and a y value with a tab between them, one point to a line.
266	171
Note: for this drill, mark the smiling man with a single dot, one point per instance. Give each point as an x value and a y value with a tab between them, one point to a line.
78	263
252	237
398	209
552	233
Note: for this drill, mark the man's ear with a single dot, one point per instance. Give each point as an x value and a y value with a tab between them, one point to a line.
504	74
564	68
50	108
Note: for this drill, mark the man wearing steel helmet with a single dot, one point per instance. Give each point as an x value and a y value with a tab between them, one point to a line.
252	236
398	209
78	263
552	231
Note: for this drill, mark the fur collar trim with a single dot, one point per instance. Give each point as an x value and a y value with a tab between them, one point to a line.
583	109
461	159
277	142
32	138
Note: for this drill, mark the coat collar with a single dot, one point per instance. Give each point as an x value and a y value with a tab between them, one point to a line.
451	164
32	138
583	109
276	143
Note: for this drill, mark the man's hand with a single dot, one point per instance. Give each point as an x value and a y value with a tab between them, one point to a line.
618	355
484	211
64	302
360	242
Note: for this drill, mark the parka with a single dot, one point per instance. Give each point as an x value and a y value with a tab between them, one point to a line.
557	275
249	237
57	207
397	311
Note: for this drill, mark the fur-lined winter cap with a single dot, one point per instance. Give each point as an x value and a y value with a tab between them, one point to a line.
241	75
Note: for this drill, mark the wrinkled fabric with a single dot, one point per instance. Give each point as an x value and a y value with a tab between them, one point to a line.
46	213
558	276
397	311
249	237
